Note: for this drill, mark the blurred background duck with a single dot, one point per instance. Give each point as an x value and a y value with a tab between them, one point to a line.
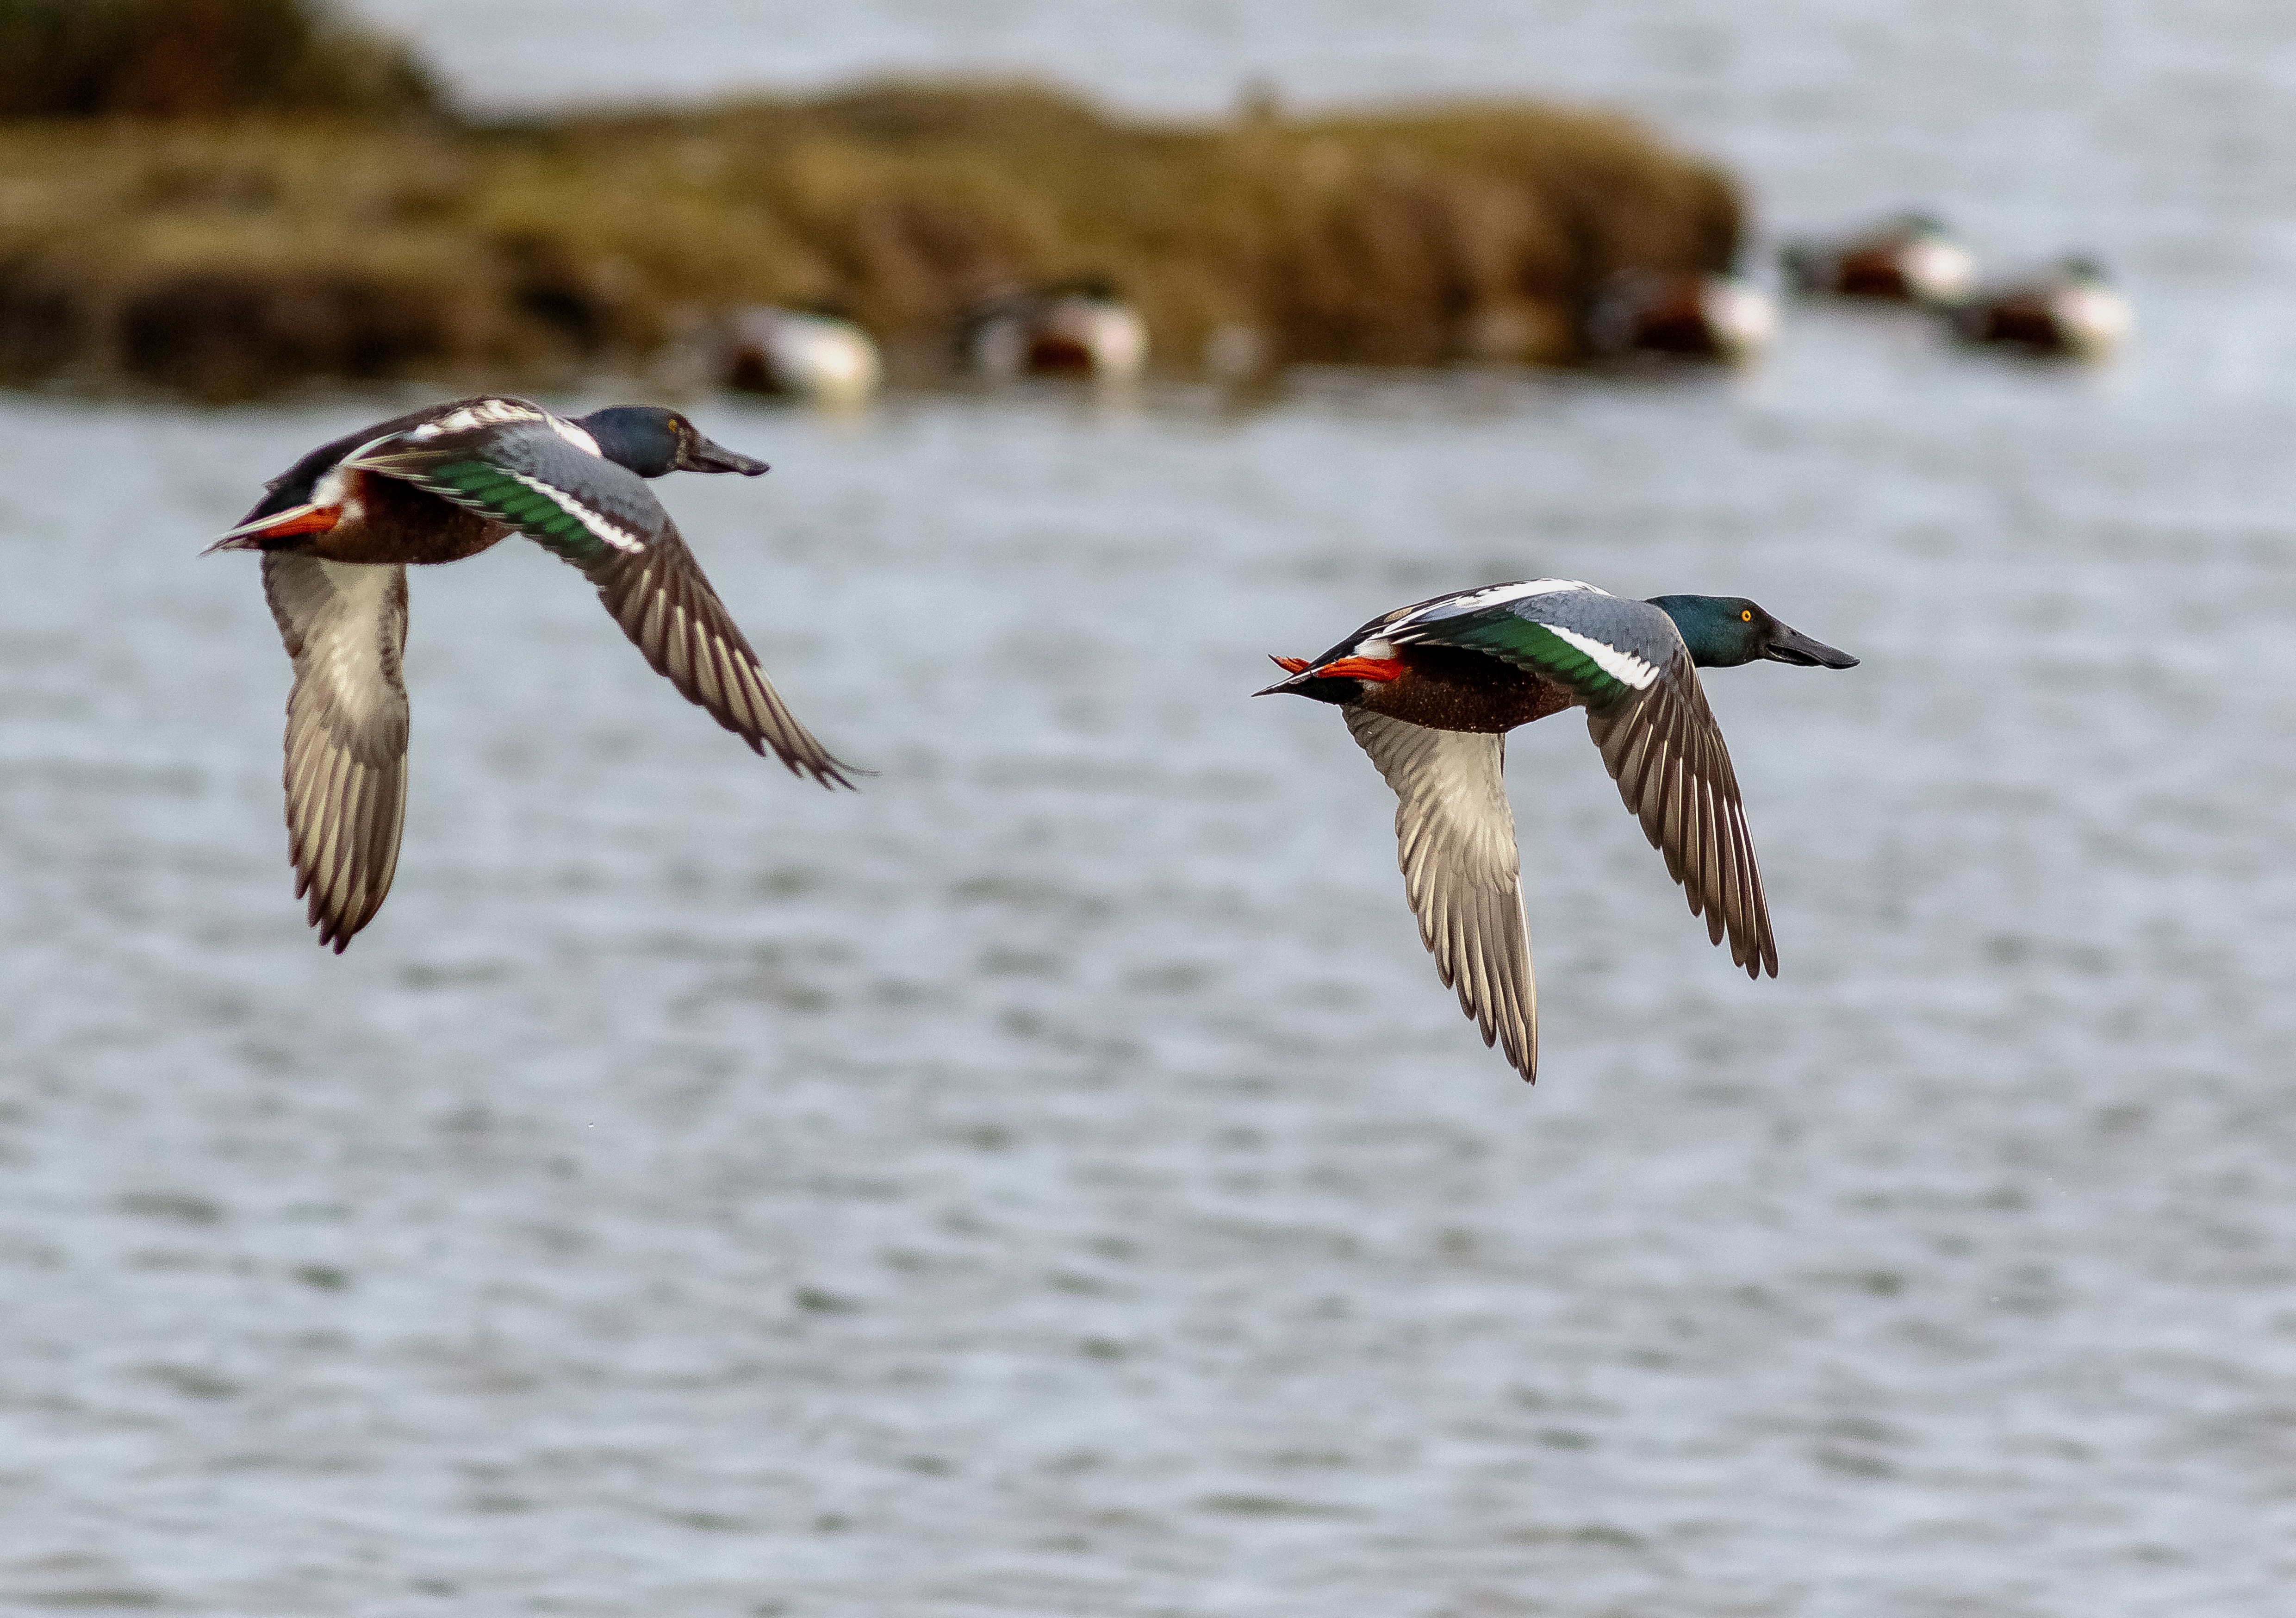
1073	328
1690	314
1912	258
2069	311
816	356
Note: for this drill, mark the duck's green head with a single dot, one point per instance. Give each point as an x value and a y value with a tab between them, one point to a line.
1723	632
651	441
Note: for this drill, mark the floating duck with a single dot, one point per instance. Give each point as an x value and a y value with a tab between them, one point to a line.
1430	691
2070	312
1686	313
1912	258
821	358
337	532
1076	328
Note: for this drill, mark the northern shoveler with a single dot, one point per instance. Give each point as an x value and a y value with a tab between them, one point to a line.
1430	691
2069	311
802	354
1075	328
1912	258
338	531
1685	313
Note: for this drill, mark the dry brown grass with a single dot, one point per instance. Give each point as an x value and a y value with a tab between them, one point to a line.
199	58
225	259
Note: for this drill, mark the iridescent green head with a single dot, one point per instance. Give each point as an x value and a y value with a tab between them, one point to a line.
651	441
1723	632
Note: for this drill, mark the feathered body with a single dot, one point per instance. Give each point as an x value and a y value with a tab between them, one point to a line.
2071	311
1685	313
1913	258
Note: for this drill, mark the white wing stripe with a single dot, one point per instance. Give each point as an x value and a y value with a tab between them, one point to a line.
1620	665
612	533
577	437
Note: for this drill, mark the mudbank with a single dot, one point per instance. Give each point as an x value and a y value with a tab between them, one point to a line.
230	255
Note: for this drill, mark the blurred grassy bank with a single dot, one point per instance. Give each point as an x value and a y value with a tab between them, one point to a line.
226	257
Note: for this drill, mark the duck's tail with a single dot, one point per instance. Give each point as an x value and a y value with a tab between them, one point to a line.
264	533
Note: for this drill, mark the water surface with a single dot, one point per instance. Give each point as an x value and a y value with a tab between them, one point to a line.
1051	1180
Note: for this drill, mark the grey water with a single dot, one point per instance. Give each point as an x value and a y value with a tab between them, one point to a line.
1052	1180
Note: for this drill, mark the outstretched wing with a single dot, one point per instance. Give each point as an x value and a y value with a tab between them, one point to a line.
663	602
1454	835
1625	661
1664	750
535	476
344	626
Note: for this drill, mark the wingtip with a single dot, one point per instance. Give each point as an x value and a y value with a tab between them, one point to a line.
826	769
828	773
333	935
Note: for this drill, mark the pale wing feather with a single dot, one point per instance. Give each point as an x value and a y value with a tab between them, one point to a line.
344	626
1664	750
1454	835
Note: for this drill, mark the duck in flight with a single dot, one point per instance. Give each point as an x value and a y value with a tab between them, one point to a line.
337	532
1430	691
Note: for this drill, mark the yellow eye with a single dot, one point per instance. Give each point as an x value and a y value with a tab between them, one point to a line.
1746	617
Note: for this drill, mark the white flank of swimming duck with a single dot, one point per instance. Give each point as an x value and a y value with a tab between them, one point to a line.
822	360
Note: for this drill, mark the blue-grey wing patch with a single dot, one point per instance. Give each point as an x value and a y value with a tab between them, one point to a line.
1633	640
531	475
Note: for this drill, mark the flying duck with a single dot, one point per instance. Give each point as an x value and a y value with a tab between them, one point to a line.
1430	691
339	527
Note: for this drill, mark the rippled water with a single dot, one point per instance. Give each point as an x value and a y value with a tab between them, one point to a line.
1051	1181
